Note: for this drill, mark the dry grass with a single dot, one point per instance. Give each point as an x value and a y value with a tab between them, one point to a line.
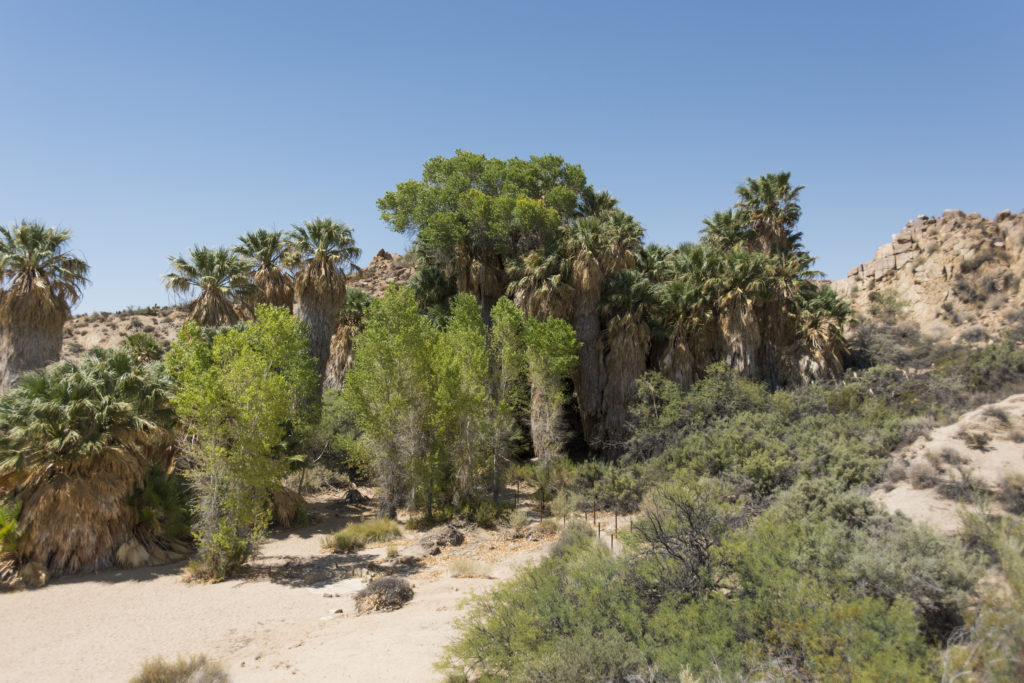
196	669
357	535
467	567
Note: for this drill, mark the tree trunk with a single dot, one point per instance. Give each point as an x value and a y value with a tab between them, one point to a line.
321	318
31	333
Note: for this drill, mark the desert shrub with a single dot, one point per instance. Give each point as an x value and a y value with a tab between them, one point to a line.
392	551
518	521
565	504
886	304
575	535
989	647
384	595
9	511
195	669
611	486
997	413
547	527
358	534
75	347
316	478
896	471
923	474
1011	493
485	513
678	536
977	441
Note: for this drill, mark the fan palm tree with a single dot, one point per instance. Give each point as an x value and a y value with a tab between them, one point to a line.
321	249
77	441
41	280
770	207
217	277
265	251
567	282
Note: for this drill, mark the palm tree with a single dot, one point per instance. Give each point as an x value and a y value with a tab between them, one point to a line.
220	279
567	282
321	249
41	280
265	251
770	206
78	439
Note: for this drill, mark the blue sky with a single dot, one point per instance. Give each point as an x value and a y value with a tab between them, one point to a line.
149	127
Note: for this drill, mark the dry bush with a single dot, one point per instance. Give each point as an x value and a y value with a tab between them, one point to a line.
196	669
923	474
317	478
977	441
384	595
896	472
997	413
1011	493
465	567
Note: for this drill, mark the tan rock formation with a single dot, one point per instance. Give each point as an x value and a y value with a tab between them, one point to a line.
958	274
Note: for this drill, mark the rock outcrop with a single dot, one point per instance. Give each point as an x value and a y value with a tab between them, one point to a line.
957	275
384	269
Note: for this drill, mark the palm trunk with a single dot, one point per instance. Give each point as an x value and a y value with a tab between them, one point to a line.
31	333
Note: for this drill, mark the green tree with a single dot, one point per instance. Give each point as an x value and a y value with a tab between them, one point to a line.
40	279
551	358
321	249
216	277
389	393
470	215
238	396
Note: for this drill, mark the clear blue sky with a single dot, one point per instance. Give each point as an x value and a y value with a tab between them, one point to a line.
147	127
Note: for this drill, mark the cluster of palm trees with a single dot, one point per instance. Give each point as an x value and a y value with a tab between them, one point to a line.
745	294
303	269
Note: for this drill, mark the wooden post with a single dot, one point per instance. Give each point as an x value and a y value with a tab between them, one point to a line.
613	543
595	511
599	531
616	520
517	494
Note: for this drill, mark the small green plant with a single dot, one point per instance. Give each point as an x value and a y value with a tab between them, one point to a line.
9	512
195	669
547	527
358	534
392	551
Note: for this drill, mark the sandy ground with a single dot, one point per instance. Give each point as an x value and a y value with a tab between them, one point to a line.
293	619
951	456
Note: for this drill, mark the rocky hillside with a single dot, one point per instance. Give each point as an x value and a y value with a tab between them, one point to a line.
108	330
957	275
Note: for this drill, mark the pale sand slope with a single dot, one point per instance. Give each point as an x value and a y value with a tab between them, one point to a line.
101	627
944	450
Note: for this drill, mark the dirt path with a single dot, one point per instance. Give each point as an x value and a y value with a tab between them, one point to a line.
294	619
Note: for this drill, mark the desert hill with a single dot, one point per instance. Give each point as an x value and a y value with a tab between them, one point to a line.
958	275
108	330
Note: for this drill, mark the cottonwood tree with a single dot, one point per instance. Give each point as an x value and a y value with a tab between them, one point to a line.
239	393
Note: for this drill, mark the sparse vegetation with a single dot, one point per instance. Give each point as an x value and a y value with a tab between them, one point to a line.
357	535
195	669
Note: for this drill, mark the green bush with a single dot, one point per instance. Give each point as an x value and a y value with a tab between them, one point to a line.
196	669
358	534
9	511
